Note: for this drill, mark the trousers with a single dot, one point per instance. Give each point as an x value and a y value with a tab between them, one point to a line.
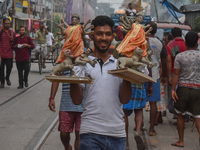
23	68
8	62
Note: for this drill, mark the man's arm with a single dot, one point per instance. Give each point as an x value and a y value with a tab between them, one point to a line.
174	83
54	88
32	46
46	31
169	67
14	45
52	37
29	45
125	92
76	93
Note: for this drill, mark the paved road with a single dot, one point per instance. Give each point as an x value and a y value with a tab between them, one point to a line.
22	116
26	121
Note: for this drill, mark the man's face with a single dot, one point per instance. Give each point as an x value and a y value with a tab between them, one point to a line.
130	6
102	38
22	31
6	24
41	27
75	20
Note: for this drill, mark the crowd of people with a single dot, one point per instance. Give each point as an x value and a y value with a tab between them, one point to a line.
100	110
21	45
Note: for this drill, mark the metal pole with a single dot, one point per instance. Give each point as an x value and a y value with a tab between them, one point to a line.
13	13
52	11
40	9
45	9
156	10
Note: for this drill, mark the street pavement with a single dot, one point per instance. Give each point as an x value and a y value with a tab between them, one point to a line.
24	112
27	123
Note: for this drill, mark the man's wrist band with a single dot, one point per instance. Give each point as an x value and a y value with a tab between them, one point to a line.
51	98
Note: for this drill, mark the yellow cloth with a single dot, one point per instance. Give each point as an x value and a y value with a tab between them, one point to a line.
73	41
134	38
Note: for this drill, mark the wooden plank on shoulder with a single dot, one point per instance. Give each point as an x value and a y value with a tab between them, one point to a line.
131	75
64	79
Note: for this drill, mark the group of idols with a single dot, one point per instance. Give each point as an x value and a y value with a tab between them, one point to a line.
132	49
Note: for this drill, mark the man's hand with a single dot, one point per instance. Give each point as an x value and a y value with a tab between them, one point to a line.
61	20
11	37
174	96
26	45
52	105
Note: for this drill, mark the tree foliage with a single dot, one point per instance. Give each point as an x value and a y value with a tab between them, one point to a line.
195	1
56	22
197	24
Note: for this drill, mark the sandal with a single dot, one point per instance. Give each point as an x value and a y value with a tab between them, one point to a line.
154	133
177	145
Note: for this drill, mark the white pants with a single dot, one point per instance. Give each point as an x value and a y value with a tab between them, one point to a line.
43	49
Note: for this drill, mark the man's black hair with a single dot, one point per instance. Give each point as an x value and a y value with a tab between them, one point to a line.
102	21
153	25
4	20
191	39
22	27
129	4
168	34
176	32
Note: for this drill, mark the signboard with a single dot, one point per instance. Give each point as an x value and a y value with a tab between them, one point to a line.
19	5
36	25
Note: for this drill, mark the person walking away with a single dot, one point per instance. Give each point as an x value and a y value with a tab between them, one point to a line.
102	122
69	114
50	40
177	45
7	37
23	46
40	38
153	90
187	96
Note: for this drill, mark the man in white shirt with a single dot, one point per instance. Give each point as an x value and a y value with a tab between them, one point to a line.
102	122
130	11
50	40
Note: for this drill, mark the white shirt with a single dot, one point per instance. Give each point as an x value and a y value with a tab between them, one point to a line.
156	47
131	11
50	39
103	112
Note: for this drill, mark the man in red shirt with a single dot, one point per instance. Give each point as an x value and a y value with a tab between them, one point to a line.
6	39
177	45
23	46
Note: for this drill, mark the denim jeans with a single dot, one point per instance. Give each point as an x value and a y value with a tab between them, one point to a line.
92	141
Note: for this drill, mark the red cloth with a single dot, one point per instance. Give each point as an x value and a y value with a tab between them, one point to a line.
22	54
120	35
5	44
182	47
